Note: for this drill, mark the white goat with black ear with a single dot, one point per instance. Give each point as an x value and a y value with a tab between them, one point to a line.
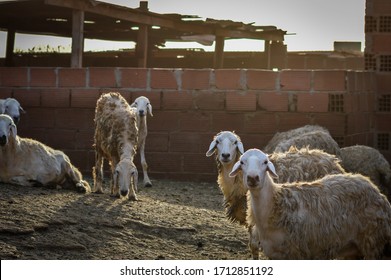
12	108
142	106
337	216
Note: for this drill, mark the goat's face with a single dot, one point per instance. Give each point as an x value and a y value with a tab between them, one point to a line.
253	164
7	129
143	106
13	109
125	176
226	144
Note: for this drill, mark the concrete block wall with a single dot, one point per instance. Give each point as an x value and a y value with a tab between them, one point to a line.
190	106
378	59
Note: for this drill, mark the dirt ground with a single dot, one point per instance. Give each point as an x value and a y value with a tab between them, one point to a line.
171	220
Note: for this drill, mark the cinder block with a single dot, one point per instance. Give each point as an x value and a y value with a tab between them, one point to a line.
163	79
196	79
43	77
14	76
331	80
236	101
195	121
209	100
273	101
261	79
295	80
28	97
228	79
133	77
56	98
84	98
287	121
165	162
75	118
102	77
157	142
70	77
227	121
164	121
198	163
260	122
188	142
317	102
177	100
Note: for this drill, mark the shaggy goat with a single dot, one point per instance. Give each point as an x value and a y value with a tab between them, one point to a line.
12	108
286	135
337	216
369	162
142	105
28	162
116	141
314	140
293	165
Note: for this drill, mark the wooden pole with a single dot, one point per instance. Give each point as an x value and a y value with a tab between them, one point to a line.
218	61
77	38
9	53
142	40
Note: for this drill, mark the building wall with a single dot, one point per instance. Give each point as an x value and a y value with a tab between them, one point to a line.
190	106
378	59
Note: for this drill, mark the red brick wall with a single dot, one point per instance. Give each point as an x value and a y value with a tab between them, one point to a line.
190	106
378	59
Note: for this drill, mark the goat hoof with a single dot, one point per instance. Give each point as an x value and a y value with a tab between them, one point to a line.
133	198
148	185
98	192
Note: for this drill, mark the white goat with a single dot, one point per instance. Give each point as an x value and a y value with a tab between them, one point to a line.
12	108
338	216
141	106
28	162
228	147
116	141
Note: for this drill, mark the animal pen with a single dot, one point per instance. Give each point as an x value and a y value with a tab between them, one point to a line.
192	104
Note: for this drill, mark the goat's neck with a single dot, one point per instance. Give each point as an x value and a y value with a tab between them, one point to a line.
127	151
227	181
141	122
262	201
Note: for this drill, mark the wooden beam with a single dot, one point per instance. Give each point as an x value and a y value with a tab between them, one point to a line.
77	39
9	53
218	58
150	18
142	47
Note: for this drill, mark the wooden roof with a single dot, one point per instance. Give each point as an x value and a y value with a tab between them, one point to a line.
117	23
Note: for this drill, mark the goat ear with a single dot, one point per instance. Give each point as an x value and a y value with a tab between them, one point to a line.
135	180
133	105
235	170
271	169
13	131
149	107
22	110
240	147
212	147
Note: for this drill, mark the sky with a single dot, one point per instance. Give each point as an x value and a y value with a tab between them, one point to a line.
314	24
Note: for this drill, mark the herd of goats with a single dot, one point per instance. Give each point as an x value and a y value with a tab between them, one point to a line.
302	197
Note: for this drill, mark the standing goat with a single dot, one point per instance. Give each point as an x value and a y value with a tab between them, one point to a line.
142	106
27	162
338	216
116	141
